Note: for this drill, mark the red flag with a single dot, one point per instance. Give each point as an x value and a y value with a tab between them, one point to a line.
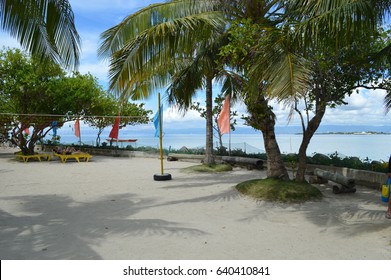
77	128
224	118
115	129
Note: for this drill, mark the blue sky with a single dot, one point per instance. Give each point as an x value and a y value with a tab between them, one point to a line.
95	16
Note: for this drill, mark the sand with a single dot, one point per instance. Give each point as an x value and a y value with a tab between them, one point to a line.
112	209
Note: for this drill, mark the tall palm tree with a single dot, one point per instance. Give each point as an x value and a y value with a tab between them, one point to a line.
252	22
45	28
201	71
166	44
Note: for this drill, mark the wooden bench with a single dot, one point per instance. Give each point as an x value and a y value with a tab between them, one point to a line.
78	156
26	158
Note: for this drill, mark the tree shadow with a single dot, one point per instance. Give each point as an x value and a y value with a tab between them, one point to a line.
57	227
199	180
347	214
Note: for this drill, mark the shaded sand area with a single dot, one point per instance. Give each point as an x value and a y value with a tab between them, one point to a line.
110	208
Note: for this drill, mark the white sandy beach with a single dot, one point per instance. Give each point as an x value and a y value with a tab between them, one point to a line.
111	208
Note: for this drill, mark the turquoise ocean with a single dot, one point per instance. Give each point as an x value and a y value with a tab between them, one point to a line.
362	145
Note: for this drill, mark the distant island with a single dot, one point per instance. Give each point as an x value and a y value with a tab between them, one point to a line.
355	133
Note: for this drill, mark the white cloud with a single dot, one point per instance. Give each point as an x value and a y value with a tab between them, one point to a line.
8	41
366	107
98	70
93	6
174	115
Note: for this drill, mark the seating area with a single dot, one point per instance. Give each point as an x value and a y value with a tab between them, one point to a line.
40	157
77	156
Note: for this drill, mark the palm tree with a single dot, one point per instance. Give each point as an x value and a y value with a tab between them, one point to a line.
342	22
166	42
283	54
197	72
252	22
45	28
150	47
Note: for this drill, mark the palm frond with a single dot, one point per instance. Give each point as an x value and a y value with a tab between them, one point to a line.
186	80
233	84
338	20
387	103
45	28
288	78
280	67
159	45
117	37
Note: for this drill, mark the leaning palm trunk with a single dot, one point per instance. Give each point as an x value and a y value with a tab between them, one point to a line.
263	118
209	158
275	164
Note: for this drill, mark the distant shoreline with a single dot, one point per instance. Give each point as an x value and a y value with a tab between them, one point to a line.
351	133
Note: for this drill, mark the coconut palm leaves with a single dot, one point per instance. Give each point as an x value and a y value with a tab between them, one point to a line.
338	20
278	63
149	45
43	27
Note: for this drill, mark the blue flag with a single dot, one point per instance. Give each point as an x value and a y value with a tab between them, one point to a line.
156	121
54	125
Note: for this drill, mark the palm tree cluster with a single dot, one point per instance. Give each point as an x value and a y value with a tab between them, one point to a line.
257	49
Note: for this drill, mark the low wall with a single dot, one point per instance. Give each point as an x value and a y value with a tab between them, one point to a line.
362	177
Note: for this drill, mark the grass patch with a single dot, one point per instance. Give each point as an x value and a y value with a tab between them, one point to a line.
278	190
204	168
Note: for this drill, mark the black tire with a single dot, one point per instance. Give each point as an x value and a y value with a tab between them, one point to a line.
162	177
336	190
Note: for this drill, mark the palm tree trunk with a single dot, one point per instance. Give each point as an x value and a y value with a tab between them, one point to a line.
209	158
262	118
275	164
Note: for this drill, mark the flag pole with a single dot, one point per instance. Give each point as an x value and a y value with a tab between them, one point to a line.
79	134
162	176
229	143
160	137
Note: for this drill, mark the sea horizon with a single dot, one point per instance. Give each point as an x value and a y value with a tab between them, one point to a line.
364	146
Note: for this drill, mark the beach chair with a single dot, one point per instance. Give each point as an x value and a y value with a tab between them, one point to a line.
40	157
77	156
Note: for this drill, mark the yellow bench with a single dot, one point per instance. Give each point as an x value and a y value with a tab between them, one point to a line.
26	158
78	156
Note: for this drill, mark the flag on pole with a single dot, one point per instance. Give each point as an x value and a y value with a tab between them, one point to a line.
54	125
114	131
224	118
156	121
77	128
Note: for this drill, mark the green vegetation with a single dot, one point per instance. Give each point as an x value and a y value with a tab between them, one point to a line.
208	168
306	55
279	191
349	162
43	97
